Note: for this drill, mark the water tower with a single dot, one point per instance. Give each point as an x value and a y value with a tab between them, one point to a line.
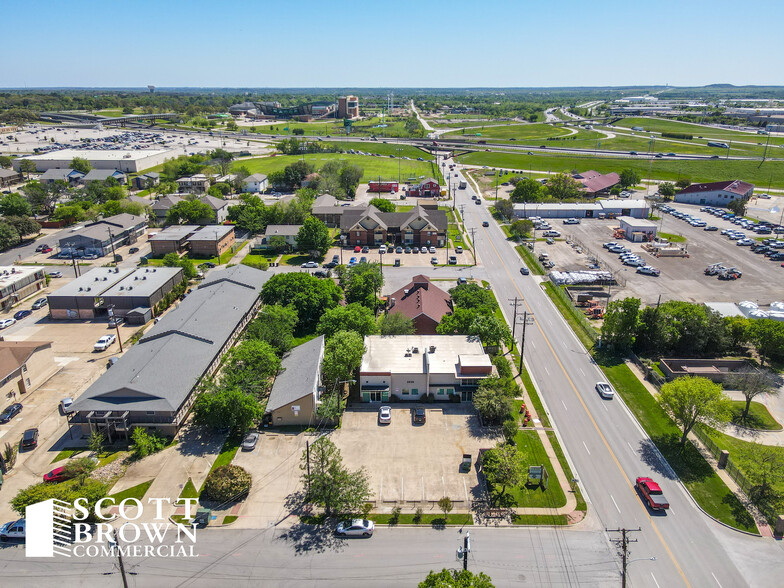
151	89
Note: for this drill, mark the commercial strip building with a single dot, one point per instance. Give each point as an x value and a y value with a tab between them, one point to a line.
19	282
419	226
100	237
25	365
91	295
128	160
603	208
715	193
406	367
422	302
297	389
204	241
154	384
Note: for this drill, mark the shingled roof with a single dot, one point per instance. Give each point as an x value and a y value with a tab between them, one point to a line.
421	297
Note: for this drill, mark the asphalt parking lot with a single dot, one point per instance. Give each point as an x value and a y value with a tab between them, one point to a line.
681	278
410	463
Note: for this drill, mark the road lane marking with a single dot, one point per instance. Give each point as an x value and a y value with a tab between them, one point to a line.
586	448
604	404
582	372
654	580
717	580
545	369
590	416
562	402
631	448
616	504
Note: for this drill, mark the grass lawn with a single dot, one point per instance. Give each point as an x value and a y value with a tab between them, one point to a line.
374	167
672	238
661	169
384	149
395	127
573	317
710	492
189	490
228	451
228	519
659	125
548	520
758	418
109	457
518	131
137	491
68	453
530	260
426	519
253	259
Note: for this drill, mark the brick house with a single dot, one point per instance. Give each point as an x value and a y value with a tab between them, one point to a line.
419	226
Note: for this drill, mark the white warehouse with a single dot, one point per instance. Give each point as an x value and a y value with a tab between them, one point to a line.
715	193
604	208
128	160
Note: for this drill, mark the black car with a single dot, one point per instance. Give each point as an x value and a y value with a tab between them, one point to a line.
40	303
10	412
30	438
485	224
22	314
133	250
420	416
208	264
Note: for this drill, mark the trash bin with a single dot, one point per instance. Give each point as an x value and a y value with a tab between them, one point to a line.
202	517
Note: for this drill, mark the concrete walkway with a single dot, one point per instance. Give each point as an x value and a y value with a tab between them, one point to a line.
775	405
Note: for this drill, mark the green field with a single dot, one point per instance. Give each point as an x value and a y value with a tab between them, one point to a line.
375	167
661	169
384	149
396	127
520	132
660	125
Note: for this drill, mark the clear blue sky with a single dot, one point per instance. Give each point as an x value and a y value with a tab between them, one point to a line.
402	43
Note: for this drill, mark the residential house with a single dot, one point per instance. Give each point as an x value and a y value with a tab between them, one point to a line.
146	181
196	184
154	384
295	393
419	226
160	208
211	240
9	177
407	367
101	175
427	187
422	302
219	206
288	232
55	174
24	366
255	183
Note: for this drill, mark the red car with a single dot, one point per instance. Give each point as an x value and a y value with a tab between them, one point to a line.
652	494
357	249
56	475
46	250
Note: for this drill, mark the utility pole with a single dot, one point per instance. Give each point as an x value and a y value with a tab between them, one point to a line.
514	320
522	340
462	552
120	560
623	544
111	242
473	243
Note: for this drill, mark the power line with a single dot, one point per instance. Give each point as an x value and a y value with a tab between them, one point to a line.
623	546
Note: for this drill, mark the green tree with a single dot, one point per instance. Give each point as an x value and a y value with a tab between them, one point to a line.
314	236
27	167
79	468
80	164
342	355
222	160
91	490
445	505
349	178
738	206
562	186
490	329
308	295
383	204
621	322
629	178
221	407
332	406
667	189
396	323
251	366
352	317
174	260
8	236
227	483
503	466
146	443
362	283
694	400
329	483
275	325
521	229
504	208
190	212
456	579
493	404
763	466
767	336
219	190
527	190
683	183
472	296
15	205
509	430
96	442
737	329
752	384
24	225
5	162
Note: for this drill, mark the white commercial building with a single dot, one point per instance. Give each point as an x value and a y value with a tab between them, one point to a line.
598	209
637	229
715	193
128	160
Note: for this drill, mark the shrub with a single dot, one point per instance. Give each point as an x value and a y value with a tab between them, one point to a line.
146	443
509	430
678	136
227	483
395	516
417	515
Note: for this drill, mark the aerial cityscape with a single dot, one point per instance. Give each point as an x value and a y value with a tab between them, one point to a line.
271	320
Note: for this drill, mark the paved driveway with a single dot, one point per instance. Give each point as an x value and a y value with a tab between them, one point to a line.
410	463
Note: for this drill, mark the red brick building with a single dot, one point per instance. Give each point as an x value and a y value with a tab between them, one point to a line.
428	187
369	226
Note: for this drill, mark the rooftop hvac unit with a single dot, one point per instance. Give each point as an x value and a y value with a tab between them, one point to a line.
432	349
415	350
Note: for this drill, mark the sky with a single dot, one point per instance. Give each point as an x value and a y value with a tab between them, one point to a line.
399	44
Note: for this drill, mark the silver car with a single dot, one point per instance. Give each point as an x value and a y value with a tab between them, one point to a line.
249	443
385	415
605	390
355	528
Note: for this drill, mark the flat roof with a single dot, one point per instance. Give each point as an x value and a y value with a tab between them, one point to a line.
211	233
558	206
10	274
390	353
143	282
725	308
174	233
637	223
282	230
94	282
621	203
92	154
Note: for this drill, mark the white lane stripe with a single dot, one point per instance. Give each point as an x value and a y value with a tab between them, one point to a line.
586	448
564	405
615	503
630	447
654	580
717	580
545	369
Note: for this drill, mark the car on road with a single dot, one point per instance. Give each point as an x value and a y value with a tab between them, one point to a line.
384	415
40	303
104	342
65	405
133	250
434	260
30	438
525	271
55	274
46	250
310	264
249	443
10	412
648	270
485	224
41	248
5	323
461	281
355	528
605	390
22	314
652	494
420	416
56	475
14	530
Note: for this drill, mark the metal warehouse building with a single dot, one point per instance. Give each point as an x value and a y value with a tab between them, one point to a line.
607	207
125	289
129	160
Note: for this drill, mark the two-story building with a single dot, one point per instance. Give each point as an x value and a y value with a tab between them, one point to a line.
100	237
255	183
419	226
19	282
196	184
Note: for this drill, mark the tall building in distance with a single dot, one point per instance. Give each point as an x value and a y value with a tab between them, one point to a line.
348	107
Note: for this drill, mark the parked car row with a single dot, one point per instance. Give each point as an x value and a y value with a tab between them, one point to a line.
631	259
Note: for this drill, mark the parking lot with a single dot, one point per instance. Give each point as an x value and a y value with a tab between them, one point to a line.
681	278
410	463
411	259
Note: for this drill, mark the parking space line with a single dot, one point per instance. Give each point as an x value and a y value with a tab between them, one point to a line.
717	580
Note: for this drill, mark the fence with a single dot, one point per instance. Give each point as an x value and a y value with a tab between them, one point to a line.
650	373
581	319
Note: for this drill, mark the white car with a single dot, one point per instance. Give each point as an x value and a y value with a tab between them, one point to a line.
5	323
432	249
605	390
634	262
310	264
14	530
104	342
385	415
552	234
571	221
65	405
745	242
648	270
355	528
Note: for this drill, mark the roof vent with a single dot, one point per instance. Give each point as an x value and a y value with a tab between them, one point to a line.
122	287
97	279
105	278
130	287
80	289
415	350
432	349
